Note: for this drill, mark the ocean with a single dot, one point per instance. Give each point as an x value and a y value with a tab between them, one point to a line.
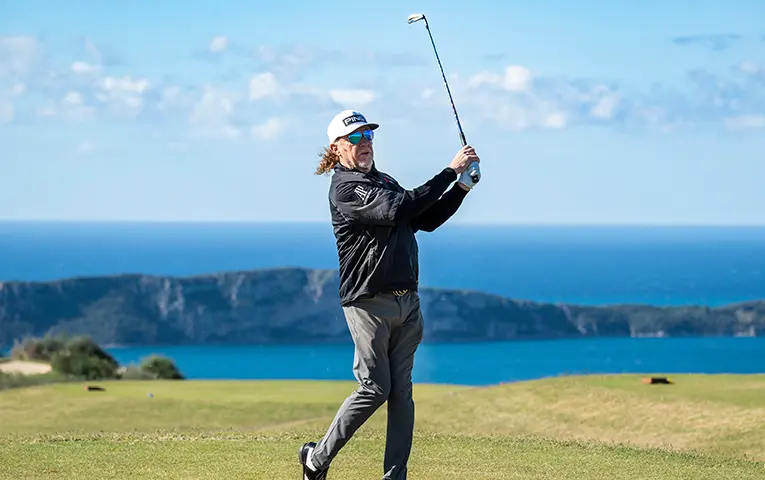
584	265
479	363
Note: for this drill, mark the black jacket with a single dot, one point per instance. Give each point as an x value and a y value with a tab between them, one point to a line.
375	221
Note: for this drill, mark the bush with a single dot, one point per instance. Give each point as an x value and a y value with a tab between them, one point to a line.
161	368
81	358
133	372
84	358
38	349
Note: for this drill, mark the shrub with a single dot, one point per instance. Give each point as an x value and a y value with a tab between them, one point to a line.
133	372
161	368
84	358
38	349
81	358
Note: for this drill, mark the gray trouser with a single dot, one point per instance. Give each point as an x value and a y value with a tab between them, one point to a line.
386	331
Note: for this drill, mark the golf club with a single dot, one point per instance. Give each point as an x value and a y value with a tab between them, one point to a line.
475	171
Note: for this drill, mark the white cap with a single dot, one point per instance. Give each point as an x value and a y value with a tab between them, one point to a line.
345	122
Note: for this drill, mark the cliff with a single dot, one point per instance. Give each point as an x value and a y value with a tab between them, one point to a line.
301	305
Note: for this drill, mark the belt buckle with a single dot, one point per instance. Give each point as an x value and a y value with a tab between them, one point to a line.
400	293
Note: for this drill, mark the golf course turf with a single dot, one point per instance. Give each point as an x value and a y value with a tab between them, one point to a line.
589	427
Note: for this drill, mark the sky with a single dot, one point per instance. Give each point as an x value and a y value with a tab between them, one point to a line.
647	112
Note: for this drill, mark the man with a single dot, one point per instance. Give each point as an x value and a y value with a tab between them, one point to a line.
375	221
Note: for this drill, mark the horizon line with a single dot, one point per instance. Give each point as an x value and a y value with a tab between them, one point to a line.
327	224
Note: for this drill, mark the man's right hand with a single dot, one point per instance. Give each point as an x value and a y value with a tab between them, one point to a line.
464	157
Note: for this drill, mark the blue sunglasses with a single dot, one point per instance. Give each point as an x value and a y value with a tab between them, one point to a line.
355	137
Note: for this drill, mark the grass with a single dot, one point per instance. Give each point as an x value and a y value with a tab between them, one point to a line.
591	427
18	380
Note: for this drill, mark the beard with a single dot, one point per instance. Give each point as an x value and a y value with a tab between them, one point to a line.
365	160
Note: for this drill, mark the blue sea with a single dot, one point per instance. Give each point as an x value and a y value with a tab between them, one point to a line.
583	265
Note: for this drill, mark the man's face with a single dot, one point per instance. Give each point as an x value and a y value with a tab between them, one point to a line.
359	155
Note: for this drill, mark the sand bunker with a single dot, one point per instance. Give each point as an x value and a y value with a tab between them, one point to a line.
27	368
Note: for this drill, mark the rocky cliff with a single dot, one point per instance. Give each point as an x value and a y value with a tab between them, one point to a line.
301	305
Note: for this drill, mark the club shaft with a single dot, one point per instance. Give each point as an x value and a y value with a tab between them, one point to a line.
475	172
448	91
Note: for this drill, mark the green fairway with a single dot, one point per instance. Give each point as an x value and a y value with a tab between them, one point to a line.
594	427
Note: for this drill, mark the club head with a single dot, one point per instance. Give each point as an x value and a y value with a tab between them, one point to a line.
415	17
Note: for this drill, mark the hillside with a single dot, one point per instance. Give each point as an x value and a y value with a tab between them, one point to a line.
293	305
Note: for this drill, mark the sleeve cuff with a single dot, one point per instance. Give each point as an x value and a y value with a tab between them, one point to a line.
450	173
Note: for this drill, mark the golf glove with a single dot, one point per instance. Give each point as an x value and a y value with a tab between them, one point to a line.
465	179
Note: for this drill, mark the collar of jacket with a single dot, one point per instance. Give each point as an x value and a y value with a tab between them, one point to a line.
342	168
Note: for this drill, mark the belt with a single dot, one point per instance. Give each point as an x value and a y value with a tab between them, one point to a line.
400	293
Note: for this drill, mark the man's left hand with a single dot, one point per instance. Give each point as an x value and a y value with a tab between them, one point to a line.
465	181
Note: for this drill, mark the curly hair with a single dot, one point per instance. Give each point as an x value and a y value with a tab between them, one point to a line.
328	160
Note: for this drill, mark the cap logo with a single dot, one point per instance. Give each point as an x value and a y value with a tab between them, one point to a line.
354	119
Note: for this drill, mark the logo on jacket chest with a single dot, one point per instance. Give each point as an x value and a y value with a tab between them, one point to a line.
388	182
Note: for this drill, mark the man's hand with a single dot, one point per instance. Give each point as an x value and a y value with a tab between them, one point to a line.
460	164
464	157
465	182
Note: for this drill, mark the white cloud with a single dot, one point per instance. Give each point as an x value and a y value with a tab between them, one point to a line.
264	85
268	130
516	78
86	88
218	44
125	94
745	122
84	68
516	99
605	107
72	106
169	93
212	114
513	100
72	98
554	120
753	70
652	115
289	59
170	98
519	117
511	97
352	98
124	85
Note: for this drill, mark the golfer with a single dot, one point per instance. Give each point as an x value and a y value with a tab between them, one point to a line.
375	221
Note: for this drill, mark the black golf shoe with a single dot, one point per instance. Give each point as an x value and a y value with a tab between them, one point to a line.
308	473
